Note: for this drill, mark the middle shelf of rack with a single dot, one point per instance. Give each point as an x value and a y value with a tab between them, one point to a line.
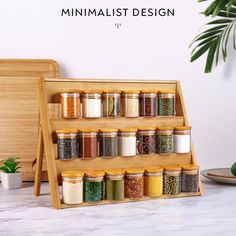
121	122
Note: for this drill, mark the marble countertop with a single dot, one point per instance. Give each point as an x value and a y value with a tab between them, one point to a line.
212	214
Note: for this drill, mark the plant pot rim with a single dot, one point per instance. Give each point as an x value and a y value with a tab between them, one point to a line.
16	173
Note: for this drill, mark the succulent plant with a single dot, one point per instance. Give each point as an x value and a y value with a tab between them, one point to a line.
11	165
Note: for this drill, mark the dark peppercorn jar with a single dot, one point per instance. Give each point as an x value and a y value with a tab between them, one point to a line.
148	103
88	143
172	180
189	178
146	140
166	103
67	144
94	186
165	141
108	143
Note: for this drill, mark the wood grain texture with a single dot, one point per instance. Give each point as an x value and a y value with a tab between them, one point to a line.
19	116
49	91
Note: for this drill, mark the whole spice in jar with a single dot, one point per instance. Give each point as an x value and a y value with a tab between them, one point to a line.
189	178
70	105
171	183
93	186
108	143
146	139
88	143
111	103
182	139
130	103
72	187
67	144
166	103
165	140
91	103
148	103
134	183
127	142
153	181
115	185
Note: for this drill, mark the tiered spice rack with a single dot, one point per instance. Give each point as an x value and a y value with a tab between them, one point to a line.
49	88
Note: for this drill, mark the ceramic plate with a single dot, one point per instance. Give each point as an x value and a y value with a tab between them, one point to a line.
224	175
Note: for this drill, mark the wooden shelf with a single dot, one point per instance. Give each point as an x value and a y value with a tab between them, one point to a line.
121	122
126	200
123	162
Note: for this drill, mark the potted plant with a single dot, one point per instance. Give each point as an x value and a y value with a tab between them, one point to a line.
10	176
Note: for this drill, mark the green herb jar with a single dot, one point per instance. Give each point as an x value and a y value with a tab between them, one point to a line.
172	180
108	143
115	185
111	103
166	103
165	141
93	186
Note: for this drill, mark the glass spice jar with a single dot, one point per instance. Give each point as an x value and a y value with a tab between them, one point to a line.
72	187
130	103
148	103
146	140
166	103
189	178
88	143
115	185
165	140
70	105
182	139
67	144
93	186
91	104
134	183
111	103
127	144
153	181
108	143
171	181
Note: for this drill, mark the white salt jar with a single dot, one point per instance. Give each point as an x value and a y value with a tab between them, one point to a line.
127	145
72	187
182	139
91	104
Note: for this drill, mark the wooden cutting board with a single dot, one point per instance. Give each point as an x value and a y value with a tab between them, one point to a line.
19	110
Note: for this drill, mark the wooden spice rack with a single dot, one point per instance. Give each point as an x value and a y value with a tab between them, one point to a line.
49	89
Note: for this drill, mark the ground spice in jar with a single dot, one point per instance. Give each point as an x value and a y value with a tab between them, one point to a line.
88	143
148	103
91	103
165	140
108	143
67	144
146	140
111	103
182	139
127	142
93	186
166	103
134	183
171	181
130	103
70	105
189	178
72	187
115	185
153	181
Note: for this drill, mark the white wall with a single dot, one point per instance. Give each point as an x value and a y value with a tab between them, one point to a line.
145	48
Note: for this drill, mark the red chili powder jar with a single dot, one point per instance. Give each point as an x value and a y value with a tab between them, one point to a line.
88	143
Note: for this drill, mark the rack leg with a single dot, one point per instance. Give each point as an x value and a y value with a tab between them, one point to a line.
39	164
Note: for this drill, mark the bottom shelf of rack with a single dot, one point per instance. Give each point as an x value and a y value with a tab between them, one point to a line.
105	202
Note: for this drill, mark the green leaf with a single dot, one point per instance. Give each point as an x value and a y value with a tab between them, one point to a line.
204	42
200	52
207	35
210	57
5	169
218	48
220	21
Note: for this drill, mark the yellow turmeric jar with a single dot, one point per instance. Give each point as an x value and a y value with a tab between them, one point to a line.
153	181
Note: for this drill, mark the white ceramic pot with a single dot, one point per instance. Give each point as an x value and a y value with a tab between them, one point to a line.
11	180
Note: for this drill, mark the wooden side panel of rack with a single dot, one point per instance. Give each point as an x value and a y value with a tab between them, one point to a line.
48	92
